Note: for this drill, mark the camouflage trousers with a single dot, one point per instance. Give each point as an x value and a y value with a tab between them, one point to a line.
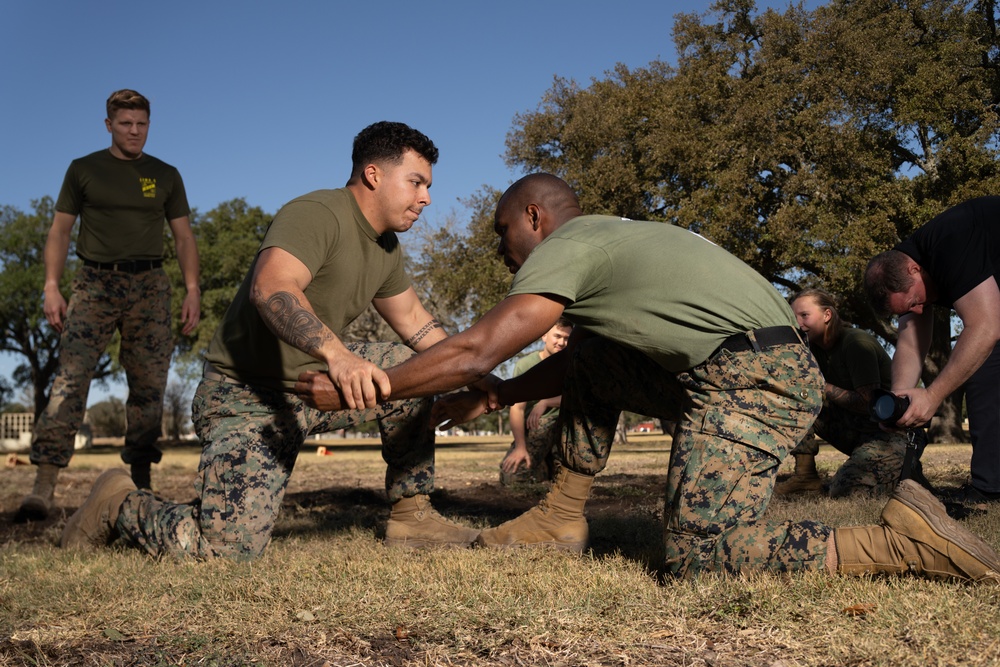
543	447
137	305
738	415
251	438
874	458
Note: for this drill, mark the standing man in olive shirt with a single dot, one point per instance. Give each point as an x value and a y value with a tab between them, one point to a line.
122	197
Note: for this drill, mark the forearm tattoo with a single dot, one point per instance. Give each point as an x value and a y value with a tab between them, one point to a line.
424	330
284	315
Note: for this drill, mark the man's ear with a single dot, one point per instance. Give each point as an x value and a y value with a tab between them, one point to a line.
371	175
534	214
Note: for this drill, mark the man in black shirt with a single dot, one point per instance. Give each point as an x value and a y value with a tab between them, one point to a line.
950	262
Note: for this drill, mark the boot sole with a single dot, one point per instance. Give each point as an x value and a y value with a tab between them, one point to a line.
913	499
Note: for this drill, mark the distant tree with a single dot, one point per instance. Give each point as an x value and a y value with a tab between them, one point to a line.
6	396
459	270
804	142
228	238
107	418
25	331
176	408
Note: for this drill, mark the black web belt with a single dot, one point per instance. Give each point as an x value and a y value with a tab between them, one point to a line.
125	265
759	339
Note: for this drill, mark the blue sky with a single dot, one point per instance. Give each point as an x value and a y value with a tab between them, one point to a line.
261	100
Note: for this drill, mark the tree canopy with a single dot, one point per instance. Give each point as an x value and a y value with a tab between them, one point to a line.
228	237
459	271
804	142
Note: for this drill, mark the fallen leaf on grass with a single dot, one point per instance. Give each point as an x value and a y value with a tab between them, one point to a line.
114	635
859	609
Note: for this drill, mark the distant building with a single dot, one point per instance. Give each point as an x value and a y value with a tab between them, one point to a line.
16	427
644	427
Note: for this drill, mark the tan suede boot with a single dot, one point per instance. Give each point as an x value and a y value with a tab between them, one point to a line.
37	504
415	524
805	479
93	525
918	537
557	521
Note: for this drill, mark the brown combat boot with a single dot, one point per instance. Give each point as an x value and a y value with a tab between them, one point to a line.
37	504
557	521
918	537
805	479
93	525
415	524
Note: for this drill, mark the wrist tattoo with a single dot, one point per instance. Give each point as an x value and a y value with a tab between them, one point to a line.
284	315
424	330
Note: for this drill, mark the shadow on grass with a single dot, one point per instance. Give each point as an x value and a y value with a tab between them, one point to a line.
625	512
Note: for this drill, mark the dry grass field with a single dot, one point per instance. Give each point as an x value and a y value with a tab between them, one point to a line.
327	592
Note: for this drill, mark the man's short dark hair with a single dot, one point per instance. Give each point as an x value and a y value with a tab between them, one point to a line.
386	141
886	275
125	98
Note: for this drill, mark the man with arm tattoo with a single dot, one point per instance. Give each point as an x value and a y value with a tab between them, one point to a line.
326	256
854	366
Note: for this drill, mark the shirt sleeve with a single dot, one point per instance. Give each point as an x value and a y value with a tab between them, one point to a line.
307	230
176	205
564	268
70	194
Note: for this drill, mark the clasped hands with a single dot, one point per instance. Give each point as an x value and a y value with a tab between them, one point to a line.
318	390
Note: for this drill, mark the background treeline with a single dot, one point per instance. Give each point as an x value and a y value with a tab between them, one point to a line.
804	142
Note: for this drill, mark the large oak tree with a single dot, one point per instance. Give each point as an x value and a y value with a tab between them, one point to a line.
804	142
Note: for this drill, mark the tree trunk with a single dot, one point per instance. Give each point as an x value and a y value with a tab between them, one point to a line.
946	427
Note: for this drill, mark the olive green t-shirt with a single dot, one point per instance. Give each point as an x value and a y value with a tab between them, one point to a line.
350	265
651	286
122	205
855	360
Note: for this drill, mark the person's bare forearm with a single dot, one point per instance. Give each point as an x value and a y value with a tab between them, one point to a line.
429	334
469	356
970	351
287	317
911	347
56	249
517	428
187	258
450	364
